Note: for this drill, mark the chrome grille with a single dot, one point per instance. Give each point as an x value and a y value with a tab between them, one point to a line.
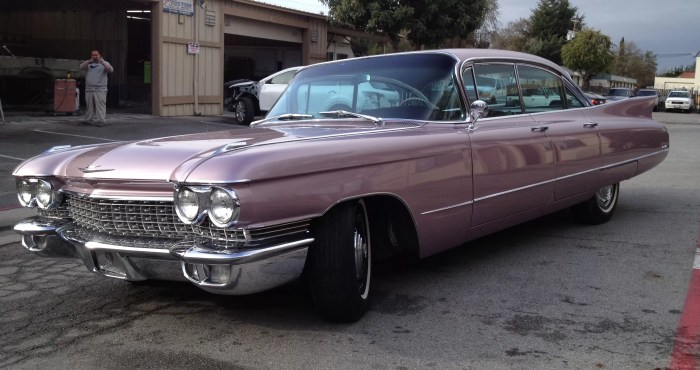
152	223
155	219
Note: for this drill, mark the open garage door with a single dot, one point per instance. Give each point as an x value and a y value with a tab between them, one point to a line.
257	49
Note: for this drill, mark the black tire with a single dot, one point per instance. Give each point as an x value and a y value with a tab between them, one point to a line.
244	110
600	208
340	263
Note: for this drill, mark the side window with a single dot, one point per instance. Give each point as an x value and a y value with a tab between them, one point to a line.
497	86
283	79
468	79
542	90
572	100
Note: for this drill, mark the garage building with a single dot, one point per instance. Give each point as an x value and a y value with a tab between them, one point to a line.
171	56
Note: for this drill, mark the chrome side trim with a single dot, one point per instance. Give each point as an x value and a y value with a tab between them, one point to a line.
664	150
448	207
570	176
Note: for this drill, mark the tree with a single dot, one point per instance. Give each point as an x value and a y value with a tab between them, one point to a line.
513	37
549	24
589	53
427	23
631	62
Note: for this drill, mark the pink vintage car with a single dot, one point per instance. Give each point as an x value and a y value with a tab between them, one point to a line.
420	159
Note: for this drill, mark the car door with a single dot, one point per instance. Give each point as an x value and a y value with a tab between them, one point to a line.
272	88
513	158
576	141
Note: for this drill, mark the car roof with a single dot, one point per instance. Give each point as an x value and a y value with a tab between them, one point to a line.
466	54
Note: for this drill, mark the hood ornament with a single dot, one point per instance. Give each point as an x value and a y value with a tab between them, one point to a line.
94	168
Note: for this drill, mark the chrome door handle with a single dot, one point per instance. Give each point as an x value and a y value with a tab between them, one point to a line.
539	129
590	125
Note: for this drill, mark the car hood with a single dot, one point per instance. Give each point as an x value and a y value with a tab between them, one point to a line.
173	158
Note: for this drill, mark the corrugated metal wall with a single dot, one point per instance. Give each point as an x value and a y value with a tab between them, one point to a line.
72	34
190	83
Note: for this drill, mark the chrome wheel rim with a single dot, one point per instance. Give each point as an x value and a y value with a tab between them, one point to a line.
361	248
240	111
605	197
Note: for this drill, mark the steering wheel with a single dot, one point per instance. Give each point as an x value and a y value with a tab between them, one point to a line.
418	99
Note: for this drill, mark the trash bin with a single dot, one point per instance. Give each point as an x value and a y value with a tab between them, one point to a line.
65	96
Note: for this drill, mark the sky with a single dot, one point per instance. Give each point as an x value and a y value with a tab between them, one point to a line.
666	28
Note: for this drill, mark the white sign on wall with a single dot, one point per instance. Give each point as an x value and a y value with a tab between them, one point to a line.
192	48
185	7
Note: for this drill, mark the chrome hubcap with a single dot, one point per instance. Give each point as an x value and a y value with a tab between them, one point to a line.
362	253
240	111
605	197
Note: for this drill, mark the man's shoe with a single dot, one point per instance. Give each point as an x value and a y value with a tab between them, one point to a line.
99	123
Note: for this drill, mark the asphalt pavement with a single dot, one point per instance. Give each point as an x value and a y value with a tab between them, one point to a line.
547	294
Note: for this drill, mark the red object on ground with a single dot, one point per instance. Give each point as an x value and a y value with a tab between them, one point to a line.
65	96
686	349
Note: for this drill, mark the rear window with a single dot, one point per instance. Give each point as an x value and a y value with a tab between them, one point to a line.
618	92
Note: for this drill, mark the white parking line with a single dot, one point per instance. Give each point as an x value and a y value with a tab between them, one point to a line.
15	158
64	134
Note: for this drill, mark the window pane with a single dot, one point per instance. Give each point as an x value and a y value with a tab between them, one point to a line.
542	91
468	79
572	100
495	84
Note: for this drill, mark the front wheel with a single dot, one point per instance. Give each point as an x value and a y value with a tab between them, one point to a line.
598	209
340	263
244	110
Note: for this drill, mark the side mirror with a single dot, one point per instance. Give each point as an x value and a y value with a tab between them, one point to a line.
478	109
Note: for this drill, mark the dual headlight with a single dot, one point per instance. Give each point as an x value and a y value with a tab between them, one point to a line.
38	192
193	203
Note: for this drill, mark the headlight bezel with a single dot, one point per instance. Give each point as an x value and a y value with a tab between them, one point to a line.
235	207
201	208
32	186
204	195
55	196
30	190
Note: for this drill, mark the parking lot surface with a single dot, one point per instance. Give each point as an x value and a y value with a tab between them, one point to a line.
548	294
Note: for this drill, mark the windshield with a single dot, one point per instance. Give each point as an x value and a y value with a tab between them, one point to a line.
646	93
414	86
679	94
618	92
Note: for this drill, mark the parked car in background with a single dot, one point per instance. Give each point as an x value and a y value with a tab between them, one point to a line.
651	92
680	100
416	163
619	93
250	98
596	99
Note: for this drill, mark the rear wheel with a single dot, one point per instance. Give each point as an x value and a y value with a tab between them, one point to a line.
340	263
598	209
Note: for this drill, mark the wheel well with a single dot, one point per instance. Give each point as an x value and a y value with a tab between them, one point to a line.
392	230
254	99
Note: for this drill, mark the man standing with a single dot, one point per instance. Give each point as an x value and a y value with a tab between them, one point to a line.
96	88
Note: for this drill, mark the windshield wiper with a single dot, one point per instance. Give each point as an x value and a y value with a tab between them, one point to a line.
283	117
344	113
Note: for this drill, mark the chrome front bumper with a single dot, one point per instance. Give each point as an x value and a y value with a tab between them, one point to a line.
235	272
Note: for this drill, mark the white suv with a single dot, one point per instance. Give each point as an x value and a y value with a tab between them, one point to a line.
680	100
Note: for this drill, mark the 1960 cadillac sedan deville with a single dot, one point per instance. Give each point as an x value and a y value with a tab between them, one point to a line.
359	159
